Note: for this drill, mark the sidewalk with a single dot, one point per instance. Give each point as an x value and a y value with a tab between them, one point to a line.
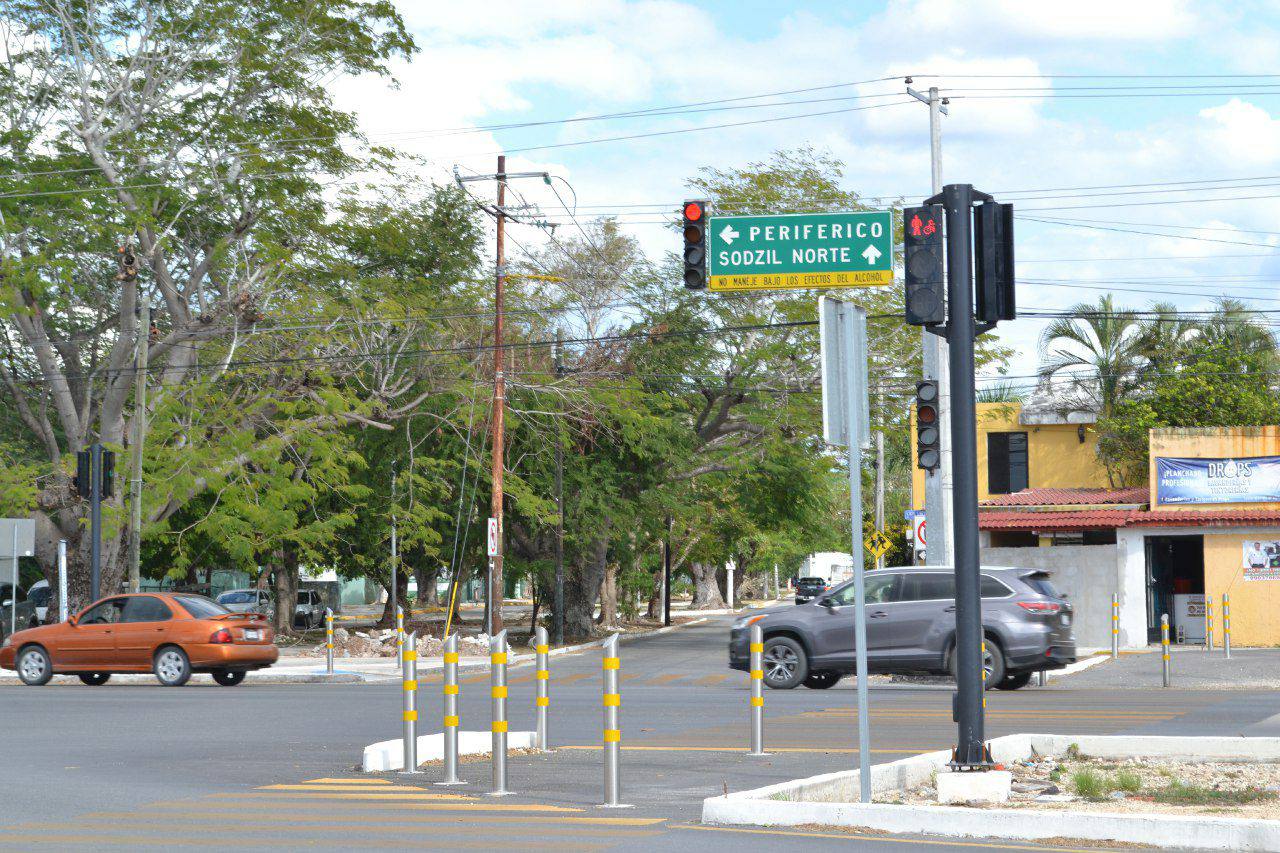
1191	668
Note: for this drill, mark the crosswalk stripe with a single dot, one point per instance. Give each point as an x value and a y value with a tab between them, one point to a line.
711	680
328	781
364	789
435	798
743	749
665	679
335	811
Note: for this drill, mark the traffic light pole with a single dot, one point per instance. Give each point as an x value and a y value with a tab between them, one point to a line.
970	753
95	520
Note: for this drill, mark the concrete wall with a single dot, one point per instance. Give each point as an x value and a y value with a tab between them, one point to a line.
1088	574
1056	458
1254	604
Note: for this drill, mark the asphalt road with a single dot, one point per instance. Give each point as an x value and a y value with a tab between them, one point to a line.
270	766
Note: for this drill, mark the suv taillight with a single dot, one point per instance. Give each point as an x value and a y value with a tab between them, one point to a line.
222	635
1040	606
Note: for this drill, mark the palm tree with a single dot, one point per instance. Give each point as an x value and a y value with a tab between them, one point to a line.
1098	348
1164	336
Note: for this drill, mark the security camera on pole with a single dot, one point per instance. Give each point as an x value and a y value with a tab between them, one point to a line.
977	239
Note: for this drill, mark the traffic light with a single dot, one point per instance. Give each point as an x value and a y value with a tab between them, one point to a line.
926	301
993	261
695	245
928	448
108	473
83	480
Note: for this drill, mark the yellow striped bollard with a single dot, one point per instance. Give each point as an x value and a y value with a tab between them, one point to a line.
757	690
409	673
1164	649
451	712
1226	624
1208	623
1115	627
982	662
400	636
612	729
328	641
542	697
498	693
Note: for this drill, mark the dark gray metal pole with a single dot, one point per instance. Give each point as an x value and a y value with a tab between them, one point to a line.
666	575
559	590
970	750
95	520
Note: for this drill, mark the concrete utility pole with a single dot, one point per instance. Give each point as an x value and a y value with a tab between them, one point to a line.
939	550
139	439
493	600
395	568
559	583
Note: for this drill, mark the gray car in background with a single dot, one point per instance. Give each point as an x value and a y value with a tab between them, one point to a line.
911	626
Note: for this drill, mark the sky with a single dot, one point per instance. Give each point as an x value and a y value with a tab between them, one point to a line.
1038	116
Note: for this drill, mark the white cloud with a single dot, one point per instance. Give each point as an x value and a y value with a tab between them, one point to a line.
1243	133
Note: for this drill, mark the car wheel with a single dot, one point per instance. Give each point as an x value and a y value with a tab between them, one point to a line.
822	680
1015	682
34	666
93	679
172	667
785	664
229	677
992	663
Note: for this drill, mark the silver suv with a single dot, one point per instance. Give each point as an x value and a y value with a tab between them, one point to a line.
911	624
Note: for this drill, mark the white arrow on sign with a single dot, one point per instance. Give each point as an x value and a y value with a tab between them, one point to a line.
729	235
871	253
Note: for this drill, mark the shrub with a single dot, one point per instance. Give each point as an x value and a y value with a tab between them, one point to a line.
1089	784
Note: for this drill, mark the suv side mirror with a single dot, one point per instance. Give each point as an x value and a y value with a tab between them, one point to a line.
827	602
6	603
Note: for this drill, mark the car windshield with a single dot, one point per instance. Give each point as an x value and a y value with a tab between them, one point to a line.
1042	585
200	607
812	582
237	598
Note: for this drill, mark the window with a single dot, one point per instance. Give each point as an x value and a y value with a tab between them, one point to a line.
106	613
1042	585
237	598
201	608
928	586
992	588
1006	462
41	596
879	590
145	608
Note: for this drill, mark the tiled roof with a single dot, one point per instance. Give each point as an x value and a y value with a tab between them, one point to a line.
1098	519
1070	497
1107	519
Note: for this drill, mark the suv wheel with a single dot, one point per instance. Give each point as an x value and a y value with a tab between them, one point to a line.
785	664
228	677
821	680
1014	682
992	663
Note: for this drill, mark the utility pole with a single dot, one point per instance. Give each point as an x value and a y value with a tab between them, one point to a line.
559	585
939	550
129	273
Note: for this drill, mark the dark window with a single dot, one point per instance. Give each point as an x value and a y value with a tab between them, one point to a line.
992	588
41	596
1006	462
1042	585
928	586
1099	537
105	613
146	608
200	607
237	598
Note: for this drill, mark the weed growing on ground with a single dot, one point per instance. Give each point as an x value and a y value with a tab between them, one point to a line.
1073	751
1089	784
1127	781
1179	793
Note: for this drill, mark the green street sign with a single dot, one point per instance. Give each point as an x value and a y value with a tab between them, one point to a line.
800	250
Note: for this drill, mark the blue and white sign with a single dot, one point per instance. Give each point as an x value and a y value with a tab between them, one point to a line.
1246	479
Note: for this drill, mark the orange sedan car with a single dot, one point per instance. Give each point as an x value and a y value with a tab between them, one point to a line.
170	634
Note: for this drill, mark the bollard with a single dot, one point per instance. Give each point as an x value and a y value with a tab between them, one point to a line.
328	641
1164	647
612	729
1042	678
498	692
400	636
543	676
757	690
409	673
1208	623
1226	624
1115	627
451	712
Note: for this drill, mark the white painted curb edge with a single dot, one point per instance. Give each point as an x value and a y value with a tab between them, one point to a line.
389	754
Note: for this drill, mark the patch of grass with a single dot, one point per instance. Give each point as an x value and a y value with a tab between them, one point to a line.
1089	784
1179	793
1055	775
1073	751
1127	781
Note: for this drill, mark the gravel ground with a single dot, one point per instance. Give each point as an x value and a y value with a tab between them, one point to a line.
1048	783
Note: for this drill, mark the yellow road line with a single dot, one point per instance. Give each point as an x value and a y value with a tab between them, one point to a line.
220	810
571	679
436	804
743	749
665	679
709	680
365	790
229	839
393	825
854	836
327	781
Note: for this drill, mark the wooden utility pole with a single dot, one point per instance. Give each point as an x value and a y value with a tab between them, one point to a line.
493	600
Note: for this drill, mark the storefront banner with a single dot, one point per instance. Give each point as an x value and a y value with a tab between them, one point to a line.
1261	560
1250	479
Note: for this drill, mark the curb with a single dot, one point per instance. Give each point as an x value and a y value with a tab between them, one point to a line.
388	755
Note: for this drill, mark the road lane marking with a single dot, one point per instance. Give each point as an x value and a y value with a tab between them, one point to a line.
665	679
393	825
436	804
99	838
710	680
854	836
220	810
743	749
328	781
365	790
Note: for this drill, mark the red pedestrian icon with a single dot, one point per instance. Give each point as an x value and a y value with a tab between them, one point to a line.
915	225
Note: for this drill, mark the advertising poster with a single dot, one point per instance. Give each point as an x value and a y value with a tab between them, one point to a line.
1261	561
1248	479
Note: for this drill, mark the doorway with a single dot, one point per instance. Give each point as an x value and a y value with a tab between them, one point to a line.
1175	568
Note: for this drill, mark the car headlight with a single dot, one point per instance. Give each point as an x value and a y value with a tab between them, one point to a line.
744	621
